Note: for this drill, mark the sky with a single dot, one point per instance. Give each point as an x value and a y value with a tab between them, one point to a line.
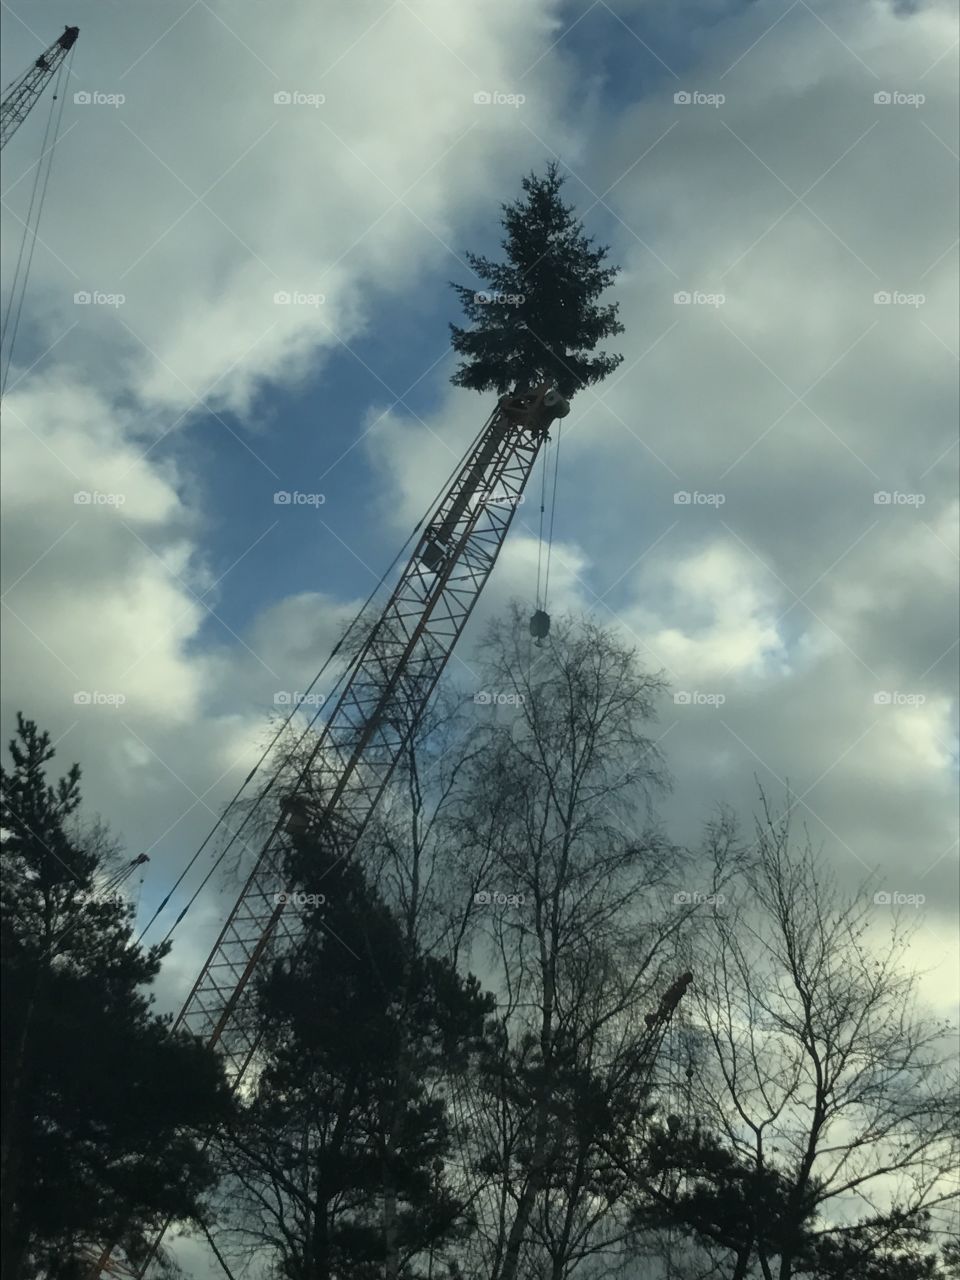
763	498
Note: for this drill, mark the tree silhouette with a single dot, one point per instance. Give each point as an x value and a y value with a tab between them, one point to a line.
539	317
336	1167
102	1105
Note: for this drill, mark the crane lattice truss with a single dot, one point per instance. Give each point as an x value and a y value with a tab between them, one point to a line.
389	686
23	93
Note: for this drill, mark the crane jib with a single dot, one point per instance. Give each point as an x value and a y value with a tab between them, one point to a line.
388	688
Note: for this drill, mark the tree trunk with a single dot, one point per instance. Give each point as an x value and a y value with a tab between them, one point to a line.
511	1256
15	1134
743	1261
538	1159
391	1251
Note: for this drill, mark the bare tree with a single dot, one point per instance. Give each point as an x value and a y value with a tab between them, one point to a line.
573	886
829	1091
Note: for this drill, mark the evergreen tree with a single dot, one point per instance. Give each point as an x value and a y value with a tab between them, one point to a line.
102	1105
539	318
336	1167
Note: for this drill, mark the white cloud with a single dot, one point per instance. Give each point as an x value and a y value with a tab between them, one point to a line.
730	608
799	595
352	200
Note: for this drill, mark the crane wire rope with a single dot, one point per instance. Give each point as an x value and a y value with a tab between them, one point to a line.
543	503
44	170
553	513
445	490
543	570
284	725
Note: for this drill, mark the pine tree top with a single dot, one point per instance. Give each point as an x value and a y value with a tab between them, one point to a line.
538	316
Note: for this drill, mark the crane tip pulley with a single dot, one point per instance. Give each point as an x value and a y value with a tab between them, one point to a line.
524	414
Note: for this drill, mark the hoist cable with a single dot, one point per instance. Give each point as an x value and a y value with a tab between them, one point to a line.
242	787
23	238
543	503
553	513
274	778
41	182
48	156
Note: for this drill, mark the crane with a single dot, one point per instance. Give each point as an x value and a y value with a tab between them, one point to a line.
389	684
17	102
23	93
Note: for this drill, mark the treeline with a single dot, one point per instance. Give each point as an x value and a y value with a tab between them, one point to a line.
523	1035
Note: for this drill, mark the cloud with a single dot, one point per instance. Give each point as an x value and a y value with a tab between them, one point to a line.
797	398
302	159
801	594
245	238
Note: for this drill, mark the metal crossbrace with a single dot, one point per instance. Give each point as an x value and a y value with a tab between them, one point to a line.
23	93
391	681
